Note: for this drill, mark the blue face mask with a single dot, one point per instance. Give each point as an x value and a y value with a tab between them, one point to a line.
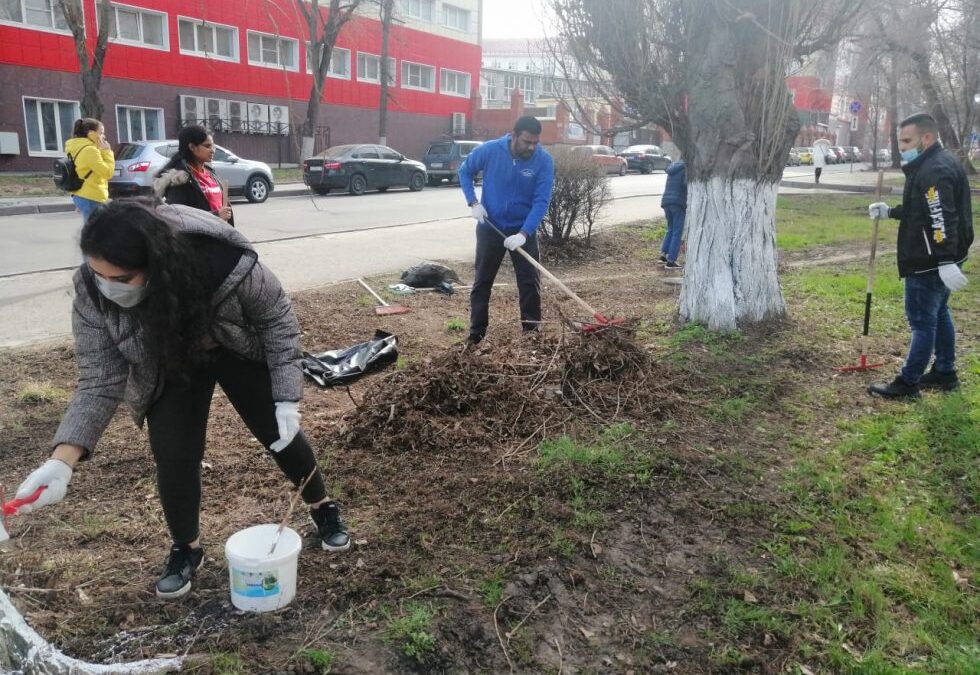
909	155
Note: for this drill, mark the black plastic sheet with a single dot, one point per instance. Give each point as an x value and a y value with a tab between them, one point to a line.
343	366
428	275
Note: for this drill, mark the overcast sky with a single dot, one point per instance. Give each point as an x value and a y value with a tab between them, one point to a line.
513	18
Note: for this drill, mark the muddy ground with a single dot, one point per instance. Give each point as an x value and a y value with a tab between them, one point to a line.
471	554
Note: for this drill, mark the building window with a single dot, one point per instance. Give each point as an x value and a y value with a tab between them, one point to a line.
49	124
339	62
33	13
272	52
417	76
419	9
455	17
369	69
455	83
138	27
139	124
209	40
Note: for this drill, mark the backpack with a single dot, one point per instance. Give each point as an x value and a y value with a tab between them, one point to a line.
66	176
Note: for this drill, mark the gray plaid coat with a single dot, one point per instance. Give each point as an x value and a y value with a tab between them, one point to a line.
252	318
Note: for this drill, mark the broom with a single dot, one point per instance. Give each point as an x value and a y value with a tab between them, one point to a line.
384	309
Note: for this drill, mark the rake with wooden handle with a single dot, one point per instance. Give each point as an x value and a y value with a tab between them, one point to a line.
601	321
384	309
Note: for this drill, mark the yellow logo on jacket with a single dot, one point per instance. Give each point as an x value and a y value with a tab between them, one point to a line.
936	213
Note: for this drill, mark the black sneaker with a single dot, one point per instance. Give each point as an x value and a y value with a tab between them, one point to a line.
897	388
673	265
663	258
179	568
331	527
941	381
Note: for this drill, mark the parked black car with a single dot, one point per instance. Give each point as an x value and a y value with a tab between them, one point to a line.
645	158
358	168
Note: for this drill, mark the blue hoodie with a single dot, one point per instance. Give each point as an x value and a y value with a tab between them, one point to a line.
675	191
516	192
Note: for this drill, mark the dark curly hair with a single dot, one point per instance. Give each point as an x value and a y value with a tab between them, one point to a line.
130	234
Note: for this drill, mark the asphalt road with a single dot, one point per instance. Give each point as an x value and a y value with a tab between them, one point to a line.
307	240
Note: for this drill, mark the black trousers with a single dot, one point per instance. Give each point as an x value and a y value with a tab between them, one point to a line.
489	254
178	422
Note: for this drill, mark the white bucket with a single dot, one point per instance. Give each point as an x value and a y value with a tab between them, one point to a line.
260	582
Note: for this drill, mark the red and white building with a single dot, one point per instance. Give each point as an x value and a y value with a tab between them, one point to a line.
241	65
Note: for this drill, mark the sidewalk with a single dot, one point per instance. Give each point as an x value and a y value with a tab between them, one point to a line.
859	181
19	206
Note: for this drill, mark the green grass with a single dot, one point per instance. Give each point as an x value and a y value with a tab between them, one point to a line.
320	659
28	185
412	632
803	221
42	392
456	325
294	175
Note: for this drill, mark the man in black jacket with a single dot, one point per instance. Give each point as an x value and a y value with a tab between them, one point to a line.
934	235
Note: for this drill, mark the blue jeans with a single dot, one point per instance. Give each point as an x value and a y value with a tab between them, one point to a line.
675	229
86	206
926	298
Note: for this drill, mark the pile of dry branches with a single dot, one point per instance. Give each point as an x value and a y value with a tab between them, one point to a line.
511	394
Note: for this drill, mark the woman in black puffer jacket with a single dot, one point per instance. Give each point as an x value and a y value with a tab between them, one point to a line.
188	178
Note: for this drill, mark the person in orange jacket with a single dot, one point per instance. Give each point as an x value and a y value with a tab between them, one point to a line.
94	163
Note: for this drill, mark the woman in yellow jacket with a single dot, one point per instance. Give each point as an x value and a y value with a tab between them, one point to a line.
94	163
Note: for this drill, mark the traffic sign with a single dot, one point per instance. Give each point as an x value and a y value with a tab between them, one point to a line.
855	107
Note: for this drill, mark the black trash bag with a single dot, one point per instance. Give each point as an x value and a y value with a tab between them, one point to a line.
428	275
343	366
444	287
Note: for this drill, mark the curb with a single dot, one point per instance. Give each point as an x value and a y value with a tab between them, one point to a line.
287	190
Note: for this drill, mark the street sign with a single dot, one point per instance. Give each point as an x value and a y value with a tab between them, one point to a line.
855	107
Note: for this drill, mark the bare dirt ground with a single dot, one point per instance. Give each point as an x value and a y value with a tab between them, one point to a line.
512	564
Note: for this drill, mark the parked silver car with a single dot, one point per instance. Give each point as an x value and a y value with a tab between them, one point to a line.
138	163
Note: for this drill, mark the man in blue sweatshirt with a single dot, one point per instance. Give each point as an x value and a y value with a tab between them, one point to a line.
518	176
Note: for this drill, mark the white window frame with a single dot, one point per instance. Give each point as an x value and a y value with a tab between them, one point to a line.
409	5
139	43
447	9
236	40
406	81
64	134
450	92
330	71
279	38
161	120
392	69
44	29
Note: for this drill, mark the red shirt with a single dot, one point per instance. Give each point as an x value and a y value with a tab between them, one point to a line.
210	187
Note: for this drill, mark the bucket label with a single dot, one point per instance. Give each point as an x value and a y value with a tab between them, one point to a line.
255	584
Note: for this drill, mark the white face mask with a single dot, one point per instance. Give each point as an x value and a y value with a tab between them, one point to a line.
124	295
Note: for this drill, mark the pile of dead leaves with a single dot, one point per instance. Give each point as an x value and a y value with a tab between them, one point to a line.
510	393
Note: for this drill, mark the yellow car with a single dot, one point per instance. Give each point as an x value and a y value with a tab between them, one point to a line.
806	155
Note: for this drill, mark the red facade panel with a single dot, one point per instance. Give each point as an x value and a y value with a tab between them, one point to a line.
53	51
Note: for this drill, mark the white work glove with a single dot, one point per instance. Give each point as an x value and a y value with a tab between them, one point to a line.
878	210
514	241
952	276
54	474
479	213
287	417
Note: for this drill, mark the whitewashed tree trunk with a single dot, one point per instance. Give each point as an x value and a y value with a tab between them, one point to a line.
730	277
307	149
24	652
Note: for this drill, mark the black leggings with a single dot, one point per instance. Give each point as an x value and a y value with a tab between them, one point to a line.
178	422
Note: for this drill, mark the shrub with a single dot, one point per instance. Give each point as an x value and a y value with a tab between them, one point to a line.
579	194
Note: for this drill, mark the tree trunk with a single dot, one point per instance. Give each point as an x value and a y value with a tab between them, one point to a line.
730	277
387	7
936	107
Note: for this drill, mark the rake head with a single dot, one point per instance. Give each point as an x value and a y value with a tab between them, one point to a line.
862	365
601	322
388	310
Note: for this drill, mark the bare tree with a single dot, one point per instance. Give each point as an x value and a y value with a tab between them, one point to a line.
90	63
323	32
713	74
386	9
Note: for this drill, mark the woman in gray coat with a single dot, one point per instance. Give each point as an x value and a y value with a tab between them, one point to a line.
169	302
